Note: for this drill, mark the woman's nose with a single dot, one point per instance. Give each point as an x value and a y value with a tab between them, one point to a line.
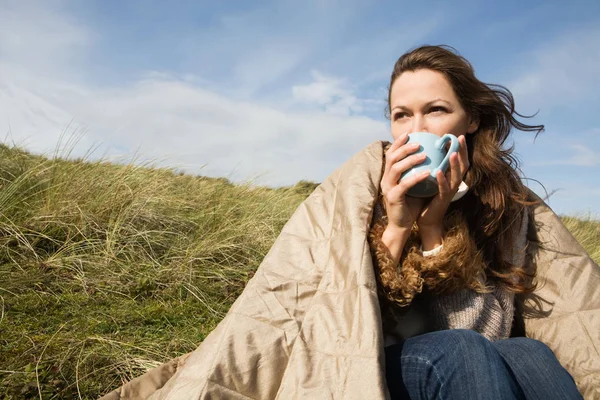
418	124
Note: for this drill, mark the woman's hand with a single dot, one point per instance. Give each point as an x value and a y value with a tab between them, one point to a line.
430	218
402	211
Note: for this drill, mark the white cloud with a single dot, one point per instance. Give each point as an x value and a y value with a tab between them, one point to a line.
37	37
561	71
373	54
583	157
267	65
564	197
188	127
177	122
257	48
333	94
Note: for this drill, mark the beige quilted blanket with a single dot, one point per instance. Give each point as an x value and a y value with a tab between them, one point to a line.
308	323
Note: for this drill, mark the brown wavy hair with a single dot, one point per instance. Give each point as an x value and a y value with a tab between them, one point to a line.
494	207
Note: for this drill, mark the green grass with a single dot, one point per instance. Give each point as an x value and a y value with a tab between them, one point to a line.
587	232
107	271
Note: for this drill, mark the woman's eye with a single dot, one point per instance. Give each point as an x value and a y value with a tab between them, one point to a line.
437	109
399	115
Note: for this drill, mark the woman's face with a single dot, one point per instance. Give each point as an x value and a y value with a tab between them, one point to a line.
424	101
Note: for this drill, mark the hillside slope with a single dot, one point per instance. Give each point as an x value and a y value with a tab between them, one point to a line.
109	270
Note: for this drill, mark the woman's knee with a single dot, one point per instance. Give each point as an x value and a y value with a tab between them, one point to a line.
515	347
529	344
450	339
432	361
455	346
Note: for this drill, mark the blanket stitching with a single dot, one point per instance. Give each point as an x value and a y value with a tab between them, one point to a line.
312	349
293	345
275	274
300	334
563	314
229	389
366	286
212	368
259	321
587	332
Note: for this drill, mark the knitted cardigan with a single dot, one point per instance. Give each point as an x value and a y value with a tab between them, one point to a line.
491	313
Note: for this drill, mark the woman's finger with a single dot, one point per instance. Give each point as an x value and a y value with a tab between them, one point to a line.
399	142
401	160
463	155
404	165
439	201
453	175
402	152
386	183
456	172
444	188
405	185
391	155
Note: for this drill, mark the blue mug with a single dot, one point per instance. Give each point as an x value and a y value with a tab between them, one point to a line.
438	158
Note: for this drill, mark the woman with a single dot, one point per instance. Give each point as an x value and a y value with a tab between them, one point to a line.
308	325
448	271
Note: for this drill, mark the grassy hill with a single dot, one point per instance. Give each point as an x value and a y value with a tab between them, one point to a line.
107	271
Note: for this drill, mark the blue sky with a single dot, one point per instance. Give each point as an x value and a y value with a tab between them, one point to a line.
278	91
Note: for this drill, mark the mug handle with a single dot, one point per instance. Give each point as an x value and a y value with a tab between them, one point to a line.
440	144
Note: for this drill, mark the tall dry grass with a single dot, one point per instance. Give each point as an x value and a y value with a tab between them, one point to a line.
107	271
587	232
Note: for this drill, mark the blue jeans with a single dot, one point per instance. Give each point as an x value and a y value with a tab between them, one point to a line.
462	364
